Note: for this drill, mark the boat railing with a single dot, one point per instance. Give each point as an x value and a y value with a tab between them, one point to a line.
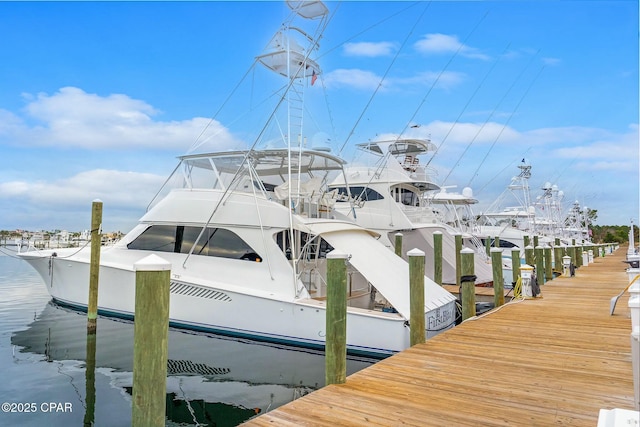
479	247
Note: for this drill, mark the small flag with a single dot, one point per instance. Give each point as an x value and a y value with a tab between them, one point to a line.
314	77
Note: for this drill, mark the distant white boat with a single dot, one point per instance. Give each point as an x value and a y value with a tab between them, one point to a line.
247	233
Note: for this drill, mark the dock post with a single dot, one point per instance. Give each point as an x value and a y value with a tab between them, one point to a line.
526	241
90	379
515	264
496	242
458	243
536	241
539	257
498	280
336	321
548	271
571	251
150	341
398	244
437	257
579	260
468	280
94	266
558	253
529	258
416	296
487	246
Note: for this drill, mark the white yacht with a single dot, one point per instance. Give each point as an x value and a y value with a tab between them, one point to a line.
247	232
511	224
391	198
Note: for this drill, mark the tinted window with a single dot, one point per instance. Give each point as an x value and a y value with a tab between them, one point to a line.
364	193
161	238
217	242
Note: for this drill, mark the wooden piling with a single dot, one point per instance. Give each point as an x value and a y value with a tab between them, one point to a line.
336	320
496	242
548	271
468	283
416	296
458	243
558	253
579	262
529	257
571	251
437	257
90	379
398	244
94	266
150	346
498	280
536	241
526	240
539	257
515	264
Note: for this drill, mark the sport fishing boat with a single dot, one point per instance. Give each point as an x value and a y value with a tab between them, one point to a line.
247	233
391	184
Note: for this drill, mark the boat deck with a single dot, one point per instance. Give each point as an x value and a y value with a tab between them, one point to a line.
555	360
483	293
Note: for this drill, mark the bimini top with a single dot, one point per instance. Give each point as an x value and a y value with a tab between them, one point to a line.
266	168
267	162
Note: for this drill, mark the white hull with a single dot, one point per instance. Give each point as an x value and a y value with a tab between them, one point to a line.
207	307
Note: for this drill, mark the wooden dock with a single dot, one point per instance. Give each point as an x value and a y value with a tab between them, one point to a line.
555	360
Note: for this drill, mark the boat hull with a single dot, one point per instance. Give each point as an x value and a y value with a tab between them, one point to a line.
205	307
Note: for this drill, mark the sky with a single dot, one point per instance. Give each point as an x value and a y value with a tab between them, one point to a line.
98	99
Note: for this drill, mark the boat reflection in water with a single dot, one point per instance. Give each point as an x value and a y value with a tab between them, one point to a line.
211	380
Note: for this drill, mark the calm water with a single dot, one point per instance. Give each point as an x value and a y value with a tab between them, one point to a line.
46	379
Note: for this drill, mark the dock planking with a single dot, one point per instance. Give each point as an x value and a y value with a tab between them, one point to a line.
555	360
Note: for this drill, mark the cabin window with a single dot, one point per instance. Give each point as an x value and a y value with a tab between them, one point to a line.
364	193
503	243
306	241
217	242
407	197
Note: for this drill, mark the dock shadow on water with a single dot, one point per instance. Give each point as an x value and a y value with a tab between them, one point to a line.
57	375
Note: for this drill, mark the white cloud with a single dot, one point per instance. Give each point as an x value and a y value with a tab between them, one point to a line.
355	78
441	43
369	49
80	189
550	61
72	118
443	79
369	81
461	133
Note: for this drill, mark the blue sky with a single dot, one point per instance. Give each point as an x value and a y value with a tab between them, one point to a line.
98	98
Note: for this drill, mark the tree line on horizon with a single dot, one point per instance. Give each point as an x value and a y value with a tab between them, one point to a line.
613	233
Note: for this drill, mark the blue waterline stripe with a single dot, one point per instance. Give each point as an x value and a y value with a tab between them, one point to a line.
318	345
